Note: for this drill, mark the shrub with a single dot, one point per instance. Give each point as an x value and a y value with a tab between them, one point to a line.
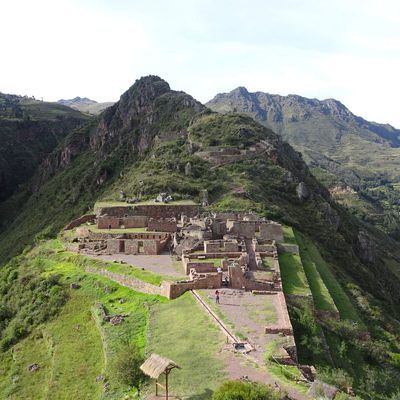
127	366
237	390
337	377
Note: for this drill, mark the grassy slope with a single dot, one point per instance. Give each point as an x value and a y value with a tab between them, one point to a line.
294	279
76	337
181	331
328	292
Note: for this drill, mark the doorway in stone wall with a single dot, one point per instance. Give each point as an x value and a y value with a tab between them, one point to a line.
122	246
140	247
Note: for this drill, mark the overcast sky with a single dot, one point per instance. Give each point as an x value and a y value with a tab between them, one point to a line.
345	49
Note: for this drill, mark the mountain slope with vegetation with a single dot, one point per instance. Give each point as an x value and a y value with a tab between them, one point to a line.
85	105
357	159
29	131
158	140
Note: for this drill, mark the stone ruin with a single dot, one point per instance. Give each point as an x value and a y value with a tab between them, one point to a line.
217	250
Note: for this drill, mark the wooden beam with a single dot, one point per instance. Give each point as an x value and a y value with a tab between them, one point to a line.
166	385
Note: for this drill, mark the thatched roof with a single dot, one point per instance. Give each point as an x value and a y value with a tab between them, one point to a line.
155	365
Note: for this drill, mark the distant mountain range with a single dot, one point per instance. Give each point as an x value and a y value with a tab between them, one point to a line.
85	105
341	148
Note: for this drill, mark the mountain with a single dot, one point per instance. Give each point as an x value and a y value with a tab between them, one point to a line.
29	131
355	158
85	105
154	140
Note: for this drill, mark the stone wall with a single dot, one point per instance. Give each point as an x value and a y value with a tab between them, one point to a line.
131	246
151	210
271	231
107	221
238	280
81	220
137	221
162	225
199	266
246	229
113	246
136	246
176	289
212	246
288	248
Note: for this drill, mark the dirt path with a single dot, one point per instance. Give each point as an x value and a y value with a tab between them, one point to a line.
251	253
248	314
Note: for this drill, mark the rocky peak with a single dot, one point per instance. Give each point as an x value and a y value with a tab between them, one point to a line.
336	108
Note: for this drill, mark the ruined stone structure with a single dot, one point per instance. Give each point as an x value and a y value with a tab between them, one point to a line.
162	225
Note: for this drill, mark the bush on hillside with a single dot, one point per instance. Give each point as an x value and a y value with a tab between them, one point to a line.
238	390
127	366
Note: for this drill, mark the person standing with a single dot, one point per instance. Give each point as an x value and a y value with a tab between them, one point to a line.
217	297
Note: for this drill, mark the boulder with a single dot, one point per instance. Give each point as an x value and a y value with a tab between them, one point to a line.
302	191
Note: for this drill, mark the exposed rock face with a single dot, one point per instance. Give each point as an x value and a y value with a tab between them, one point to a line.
302	191
147	113
366	247
130	121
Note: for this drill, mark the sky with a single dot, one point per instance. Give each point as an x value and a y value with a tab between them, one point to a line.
343	49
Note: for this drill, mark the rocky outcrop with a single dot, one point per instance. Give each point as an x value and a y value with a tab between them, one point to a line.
302	191
131	122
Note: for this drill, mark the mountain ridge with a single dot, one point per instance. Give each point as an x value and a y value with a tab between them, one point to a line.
86	105
341	148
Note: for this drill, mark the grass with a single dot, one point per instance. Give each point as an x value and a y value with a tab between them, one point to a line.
217	261
76	346
289	375
340	298
16	381
182	331
217	311
267	262
288	235
294	279
322	298
265	314
123	269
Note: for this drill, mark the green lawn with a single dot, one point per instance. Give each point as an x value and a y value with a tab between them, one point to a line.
217	261
288	234
322	298
340	298
294	279
182	331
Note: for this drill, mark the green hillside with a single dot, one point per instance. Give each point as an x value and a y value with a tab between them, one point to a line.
356	159
143	145
29	132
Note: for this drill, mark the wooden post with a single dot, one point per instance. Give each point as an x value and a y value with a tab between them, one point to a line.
166	384
156	387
